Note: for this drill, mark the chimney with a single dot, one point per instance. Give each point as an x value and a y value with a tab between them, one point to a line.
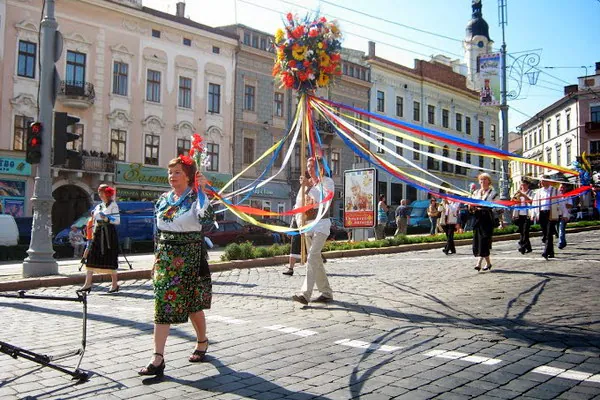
371	49
180	9
598	68
571	89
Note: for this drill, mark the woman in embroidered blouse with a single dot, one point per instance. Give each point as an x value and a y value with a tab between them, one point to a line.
181	277
483	228
102	254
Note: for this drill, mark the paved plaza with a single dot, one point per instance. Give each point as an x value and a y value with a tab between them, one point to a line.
416	325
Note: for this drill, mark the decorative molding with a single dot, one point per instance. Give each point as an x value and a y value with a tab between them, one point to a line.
119	119
76	41
154	59
135	26
190	68
185	128
27	30
215	133
24	104
121	48
153	124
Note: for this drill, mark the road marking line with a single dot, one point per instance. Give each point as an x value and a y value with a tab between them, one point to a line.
365	345
292	330
227	320
567	374
456	355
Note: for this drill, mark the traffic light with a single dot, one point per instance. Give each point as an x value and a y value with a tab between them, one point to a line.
33	155
62	136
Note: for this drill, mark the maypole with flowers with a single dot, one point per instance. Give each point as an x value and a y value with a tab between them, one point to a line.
308	57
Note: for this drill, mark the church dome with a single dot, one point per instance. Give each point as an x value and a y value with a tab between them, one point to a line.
477	25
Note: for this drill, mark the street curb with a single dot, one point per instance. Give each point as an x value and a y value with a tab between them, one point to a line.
34	283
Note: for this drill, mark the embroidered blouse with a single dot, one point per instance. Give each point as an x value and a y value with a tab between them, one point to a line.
110	211
186	214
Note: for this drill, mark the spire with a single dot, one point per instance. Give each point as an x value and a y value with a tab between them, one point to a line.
477	25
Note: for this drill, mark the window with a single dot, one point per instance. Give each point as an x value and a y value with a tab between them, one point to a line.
380	101
155	33
468	125
75	70
151	149
278	104
568	157
548	130
27	57
335	163
183	146
493	132
249	98
468	158
248	150
399	106
381	139
216	50
214	98
595	114
493	164
432	163
400	149
431	114
416	154
558	149
246	38
480	161
549	155
557	127
459	122
594	146
153	86
77	145
185	92
459	168
481	130
120	73
445	118
568	121
20	135
446	166
540	136
187	42
254	41
212	152
118	142
263	43
416	111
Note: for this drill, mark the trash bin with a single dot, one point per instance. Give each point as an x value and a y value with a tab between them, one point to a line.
127	244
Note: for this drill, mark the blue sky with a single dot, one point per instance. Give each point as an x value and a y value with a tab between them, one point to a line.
564	33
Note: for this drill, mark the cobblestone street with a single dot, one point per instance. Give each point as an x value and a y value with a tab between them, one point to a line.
415	325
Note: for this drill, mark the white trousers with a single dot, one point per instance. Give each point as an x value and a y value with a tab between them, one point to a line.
315	270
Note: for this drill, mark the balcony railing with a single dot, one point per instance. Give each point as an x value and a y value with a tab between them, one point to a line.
592	127
76	94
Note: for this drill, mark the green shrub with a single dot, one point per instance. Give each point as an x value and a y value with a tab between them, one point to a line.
263	252
247	250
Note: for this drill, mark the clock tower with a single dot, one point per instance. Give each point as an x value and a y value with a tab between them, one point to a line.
477	42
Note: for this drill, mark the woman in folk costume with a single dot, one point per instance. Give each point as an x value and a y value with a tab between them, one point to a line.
483	227
103	250
547	211
181	276
522	216
449	220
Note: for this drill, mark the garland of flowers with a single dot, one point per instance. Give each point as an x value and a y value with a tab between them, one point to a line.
308	53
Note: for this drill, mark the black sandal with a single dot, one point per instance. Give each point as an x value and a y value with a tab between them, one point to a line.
199	355
154	370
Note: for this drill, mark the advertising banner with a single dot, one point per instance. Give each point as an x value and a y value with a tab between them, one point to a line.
489	70
138	174
359	198
14	166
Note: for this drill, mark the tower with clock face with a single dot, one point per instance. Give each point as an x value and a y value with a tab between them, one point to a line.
477	42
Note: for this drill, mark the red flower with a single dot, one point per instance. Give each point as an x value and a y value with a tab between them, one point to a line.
292	64
306	63
170	296
109	191
290	17
287	79
186	159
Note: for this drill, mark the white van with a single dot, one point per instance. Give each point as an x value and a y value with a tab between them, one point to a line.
9	234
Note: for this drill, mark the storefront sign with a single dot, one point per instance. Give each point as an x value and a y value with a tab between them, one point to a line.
216	179
359	198
14	166
273	190
138	174
12	198
137	194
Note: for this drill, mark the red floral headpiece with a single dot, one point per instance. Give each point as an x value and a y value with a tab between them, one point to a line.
187	160
109	191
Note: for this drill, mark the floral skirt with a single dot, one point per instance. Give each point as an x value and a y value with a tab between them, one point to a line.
182	283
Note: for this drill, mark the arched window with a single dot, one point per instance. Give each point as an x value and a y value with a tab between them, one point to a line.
431	162
459	156
446	167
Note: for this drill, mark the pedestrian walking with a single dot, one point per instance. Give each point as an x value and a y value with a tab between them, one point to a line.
522	216
483	227
382	218
77	241
181	277
316	237
449	220
547	212
565	206
402	217
296	240
433	214
103	251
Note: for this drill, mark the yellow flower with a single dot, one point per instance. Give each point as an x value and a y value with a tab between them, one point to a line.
299	52
320	45
323	59
280	54
279	35
323	80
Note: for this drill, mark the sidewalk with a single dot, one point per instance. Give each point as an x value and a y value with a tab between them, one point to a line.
11	274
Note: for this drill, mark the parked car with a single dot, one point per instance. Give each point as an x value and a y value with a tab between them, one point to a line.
24	224
418	214
9	234
337	230
233	232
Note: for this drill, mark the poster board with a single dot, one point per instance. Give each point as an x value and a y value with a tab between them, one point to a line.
359	198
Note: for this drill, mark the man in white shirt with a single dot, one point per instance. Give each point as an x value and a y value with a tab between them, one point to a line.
522	216
565	206
547	213
315	239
